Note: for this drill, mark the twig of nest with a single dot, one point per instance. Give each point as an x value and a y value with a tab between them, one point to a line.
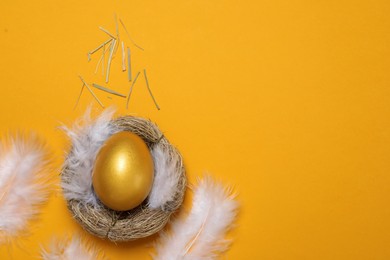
146	219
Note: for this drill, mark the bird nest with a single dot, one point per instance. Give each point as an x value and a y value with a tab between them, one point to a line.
143	220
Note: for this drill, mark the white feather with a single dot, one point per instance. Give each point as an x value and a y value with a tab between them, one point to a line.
24	181
201	235
87	137
74	249
166	178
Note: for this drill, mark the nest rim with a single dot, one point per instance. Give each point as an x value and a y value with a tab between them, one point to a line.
142	221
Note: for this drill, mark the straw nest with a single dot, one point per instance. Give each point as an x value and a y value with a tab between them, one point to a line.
141	221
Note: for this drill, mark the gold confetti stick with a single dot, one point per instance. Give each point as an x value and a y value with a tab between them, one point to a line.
128	34
110	59
101	60
123	57
108	90
129	63
99	47
116	26
90	90
150	91
117	31
107	32
78	99
131	90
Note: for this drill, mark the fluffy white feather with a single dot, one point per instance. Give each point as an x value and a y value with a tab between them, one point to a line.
201	235
24	182
166	178
74	249
87	136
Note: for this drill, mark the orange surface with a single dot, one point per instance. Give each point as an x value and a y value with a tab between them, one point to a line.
288	101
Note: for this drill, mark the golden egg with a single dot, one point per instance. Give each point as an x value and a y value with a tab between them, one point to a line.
123	171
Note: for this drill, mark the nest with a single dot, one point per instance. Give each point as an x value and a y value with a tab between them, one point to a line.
141	221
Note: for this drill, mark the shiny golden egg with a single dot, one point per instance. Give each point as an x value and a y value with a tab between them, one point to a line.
123	171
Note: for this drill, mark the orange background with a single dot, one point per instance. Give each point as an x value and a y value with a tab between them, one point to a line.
288	101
